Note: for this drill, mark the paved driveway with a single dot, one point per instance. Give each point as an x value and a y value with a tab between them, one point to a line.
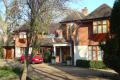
55	72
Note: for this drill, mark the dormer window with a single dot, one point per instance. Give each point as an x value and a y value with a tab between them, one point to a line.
100	27
22	35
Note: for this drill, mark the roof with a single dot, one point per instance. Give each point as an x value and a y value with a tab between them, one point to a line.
22	28
53	27
101	12
50	41
74	15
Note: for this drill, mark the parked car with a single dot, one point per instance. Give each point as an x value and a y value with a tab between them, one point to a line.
35	59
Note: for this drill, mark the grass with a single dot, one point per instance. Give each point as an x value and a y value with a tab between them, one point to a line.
14	73
6	73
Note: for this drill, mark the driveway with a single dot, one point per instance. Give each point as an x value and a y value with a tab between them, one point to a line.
57	72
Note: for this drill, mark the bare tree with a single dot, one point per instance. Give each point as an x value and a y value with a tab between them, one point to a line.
37	14
40	14
9	21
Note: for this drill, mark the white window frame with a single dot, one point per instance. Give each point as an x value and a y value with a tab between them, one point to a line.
100	26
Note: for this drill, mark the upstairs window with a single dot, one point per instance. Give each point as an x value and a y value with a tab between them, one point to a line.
22	35
100	27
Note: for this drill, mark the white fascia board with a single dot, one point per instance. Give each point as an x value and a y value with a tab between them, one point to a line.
62	44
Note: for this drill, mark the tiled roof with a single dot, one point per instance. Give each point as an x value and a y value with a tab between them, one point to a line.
50	41
22	28
53	27
101	12
75	15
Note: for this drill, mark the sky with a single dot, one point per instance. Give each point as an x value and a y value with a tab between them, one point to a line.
78	5
90	4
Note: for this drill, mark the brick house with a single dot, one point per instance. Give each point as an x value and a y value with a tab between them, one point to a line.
88	31
79	36
52	41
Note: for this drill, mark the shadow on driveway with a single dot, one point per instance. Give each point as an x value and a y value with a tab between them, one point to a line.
58	72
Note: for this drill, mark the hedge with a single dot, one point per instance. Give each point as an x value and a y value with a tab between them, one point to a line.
90	64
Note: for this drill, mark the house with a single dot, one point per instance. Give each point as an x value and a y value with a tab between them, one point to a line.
91	30
8	47
53	41
78	36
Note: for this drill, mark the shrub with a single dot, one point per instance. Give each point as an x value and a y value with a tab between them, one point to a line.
47	56
97	64
83	63
68	58
90	64
53	57
111	49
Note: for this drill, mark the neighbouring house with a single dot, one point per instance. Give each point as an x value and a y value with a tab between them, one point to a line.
91	30
78	36
56	43
53	41
8	47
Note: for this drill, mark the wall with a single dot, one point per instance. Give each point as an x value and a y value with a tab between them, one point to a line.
80	52
20	42
11	54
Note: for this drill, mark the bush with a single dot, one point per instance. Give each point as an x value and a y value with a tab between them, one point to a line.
47	56
53	57
90	64
7	73
68	58
83	63
111	49
97	64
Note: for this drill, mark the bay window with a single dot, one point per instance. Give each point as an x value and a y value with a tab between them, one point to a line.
100	26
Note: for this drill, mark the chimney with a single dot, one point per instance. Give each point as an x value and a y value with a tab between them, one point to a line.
84	11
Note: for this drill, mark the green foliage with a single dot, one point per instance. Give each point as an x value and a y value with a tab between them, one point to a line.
83	63
97	64
90	64
111	49
47	56
68	58
1	53
1	48
115	18
53	57
7	73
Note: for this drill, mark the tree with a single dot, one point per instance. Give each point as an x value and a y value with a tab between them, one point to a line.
112	47
37	14
9	21
40	14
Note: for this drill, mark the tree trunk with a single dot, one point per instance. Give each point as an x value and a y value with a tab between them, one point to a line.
25	70
26	64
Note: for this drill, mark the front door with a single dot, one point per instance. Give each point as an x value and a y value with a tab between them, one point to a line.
8	53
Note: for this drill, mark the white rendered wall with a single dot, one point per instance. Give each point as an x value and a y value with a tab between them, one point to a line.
80	52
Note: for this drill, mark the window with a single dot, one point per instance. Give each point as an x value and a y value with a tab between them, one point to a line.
22	50
100	27
22	35
90	52
94	53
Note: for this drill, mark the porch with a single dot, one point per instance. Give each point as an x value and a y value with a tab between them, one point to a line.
60	50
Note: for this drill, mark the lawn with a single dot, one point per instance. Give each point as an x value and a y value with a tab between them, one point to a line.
7	73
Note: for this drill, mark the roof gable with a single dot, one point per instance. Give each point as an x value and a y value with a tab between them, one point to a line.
101	12
75	15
